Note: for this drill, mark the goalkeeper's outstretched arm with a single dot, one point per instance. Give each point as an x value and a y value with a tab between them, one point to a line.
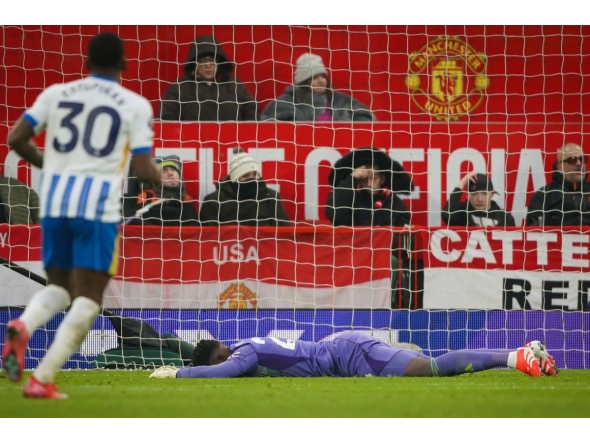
227	369
212	359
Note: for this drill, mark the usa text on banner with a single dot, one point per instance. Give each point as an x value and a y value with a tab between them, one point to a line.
231	267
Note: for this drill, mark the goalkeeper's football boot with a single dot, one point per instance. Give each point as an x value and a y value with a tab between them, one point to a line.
13	357
527	362
34	389
547	362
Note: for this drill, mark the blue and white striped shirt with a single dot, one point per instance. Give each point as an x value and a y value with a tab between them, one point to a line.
91	126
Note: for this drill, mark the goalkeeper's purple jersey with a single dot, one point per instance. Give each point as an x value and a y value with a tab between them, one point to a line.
350	354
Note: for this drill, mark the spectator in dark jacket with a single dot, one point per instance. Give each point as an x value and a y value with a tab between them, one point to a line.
243	198
565	201
19	204
207	91
312	98
479	210
168	205
365	187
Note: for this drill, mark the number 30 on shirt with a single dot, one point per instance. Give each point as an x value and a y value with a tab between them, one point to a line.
76	108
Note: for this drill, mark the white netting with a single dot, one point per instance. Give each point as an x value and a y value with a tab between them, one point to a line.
440	100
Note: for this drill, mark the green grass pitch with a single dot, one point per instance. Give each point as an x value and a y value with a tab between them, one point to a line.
120	394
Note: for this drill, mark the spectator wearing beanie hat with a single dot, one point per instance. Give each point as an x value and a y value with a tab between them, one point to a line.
479	210
311	98
167	205
243	198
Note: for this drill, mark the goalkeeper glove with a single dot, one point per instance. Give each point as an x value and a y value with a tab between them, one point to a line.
166	371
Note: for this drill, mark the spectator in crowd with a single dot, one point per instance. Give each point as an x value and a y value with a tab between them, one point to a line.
312	98
167	205
565	201
243	197
479	210
365	187
19	204
207	91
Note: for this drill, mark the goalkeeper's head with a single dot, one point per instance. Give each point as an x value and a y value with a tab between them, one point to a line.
210	352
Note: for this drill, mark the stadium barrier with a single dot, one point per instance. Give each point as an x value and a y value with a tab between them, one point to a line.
323	267
435	331
490	288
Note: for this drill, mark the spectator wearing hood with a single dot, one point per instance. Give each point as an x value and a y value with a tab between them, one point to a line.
365	187
479	210
168	205
565	201
19	204
243	198
207	91
312	98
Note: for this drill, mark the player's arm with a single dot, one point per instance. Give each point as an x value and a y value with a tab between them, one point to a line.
20	140
146	169
141	141
227	369
242	362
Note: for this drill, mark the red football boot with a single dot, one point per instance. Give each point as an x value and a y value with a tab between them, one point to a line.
548	366
13	356
34	389
527	362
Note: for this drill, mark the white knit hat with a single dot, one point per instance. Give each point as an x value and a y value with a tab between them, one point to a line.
241	164
308	66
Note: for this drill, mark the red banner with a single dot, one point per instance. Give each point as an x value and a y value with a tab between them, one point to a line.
296	158
226	267
305	257
510	249
323	267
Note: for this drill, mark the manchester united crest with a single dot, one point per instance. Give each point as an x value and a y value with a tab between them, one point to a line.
237	296
447	78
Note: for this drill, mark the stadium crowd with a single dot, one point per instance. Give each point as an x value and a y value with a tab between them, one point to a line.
366	186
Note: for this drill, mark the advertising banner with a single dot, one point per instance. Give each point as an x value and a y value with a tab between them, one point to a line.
507	269
566	335
228	267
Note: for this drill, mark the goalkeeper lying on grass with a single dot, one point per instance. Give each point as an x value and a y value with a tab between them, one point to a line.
350	354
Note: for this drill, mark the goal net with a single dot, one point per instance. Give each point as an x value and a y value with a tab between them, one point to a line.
301	103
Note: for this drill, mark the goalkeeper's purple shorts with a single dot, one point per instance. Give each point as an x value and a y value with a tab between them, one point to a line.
399	362
69	243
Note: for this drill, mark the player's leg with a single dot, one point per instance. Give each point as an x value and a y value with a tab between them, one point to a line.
404	359
546	361
469	361
47	302
88	286
95	261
